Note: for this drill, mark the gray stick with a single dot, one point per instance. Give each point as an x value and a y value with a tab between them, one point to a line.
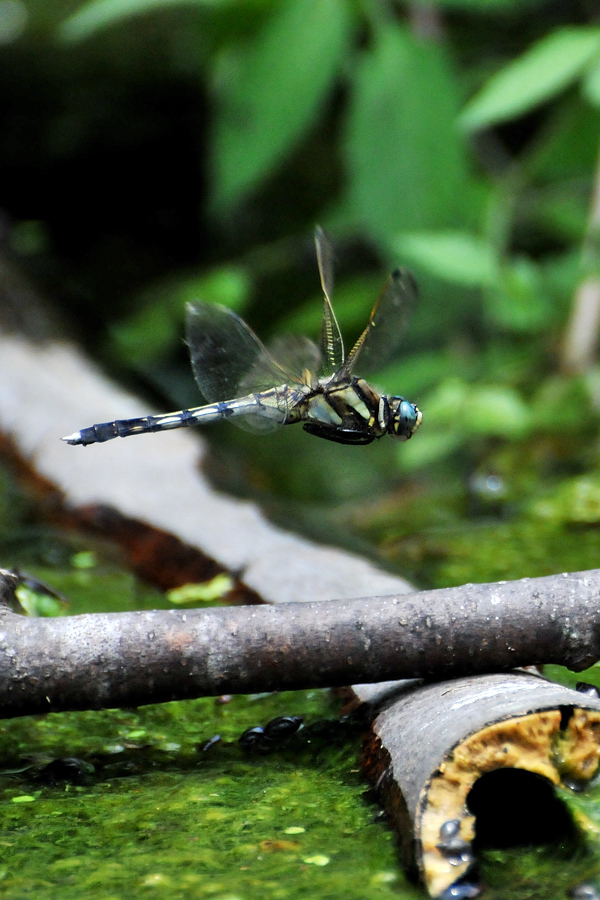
130	659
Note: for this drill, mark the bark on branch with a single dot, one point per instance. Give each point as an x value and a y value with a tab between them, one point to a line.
130	659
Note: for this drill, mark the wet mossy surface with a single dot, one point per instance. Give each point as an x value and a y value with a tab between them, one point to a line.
166	809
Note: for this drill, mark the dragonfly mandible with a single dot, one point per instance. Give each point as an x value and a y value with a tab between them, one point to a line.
260	389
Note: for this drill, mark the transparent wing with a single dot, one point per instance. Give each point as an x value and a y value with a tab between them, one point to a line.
332	345
229	361
297	361
383	335
298	356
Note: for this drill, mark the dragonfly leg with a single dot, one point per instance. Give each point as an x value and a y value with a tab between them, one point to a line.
339	435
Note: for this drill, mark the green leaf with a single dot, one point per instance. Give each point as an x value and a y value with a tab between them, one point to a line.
157	323
454	256
353	301
421	372
576	500
404	154
497	411
228	285
272	93
562	405
39	604
428	448
98	14
569	149
547	68
519	302
206	592
455	412
591	85
483	6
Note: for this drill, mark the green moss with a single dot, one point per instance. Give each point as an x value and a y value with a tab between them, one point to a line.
511	550
493	550
536	873
161	813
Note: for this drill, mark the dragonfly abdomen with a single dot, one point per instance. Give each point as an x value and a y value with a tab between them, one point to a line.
256	404
106	431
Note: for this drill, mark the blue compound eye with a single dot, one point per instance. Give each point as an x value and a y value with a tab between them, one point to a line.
405	419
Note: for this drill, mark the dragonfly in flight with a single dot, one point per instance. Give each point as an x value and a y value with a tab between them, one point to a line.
294	380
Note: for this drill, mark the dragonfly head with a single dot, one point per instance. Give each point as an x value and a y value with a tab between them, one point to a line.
404	418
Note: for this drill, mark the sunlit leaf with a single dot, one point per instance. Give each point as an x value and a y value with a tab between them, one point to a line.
84	559
206	592
272	91
39	604
591	85
98	14
455	256
227	285
405	158
543	71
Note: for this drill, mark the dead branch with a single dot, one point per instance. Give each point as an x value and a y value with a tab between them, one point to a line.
130	659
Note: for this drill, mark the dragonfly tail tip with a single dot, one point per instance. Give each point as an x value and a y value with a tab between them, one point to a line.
73	439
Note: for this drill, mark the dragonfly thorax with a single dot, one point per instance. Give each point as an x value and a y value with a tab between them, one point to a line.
352	412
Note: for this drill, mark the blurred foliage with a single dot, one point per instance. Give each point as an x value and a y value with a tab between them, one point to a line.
156	151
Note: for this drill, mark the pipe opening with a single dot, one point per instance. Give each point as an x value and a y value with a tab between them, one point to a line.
566	714
516	808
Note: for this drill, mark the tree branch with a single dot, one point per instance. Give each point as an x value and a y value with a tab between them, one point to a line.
130	659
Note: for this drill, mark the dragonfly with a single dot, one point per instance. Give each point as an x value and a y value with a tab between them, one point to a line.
294	380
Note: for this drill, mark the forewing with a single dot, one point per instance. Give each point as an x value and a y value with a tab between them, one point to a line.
332	345
383	336
226	355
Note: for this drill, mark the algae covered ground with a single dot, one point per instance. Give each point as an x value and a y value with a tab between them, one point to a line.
159	810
